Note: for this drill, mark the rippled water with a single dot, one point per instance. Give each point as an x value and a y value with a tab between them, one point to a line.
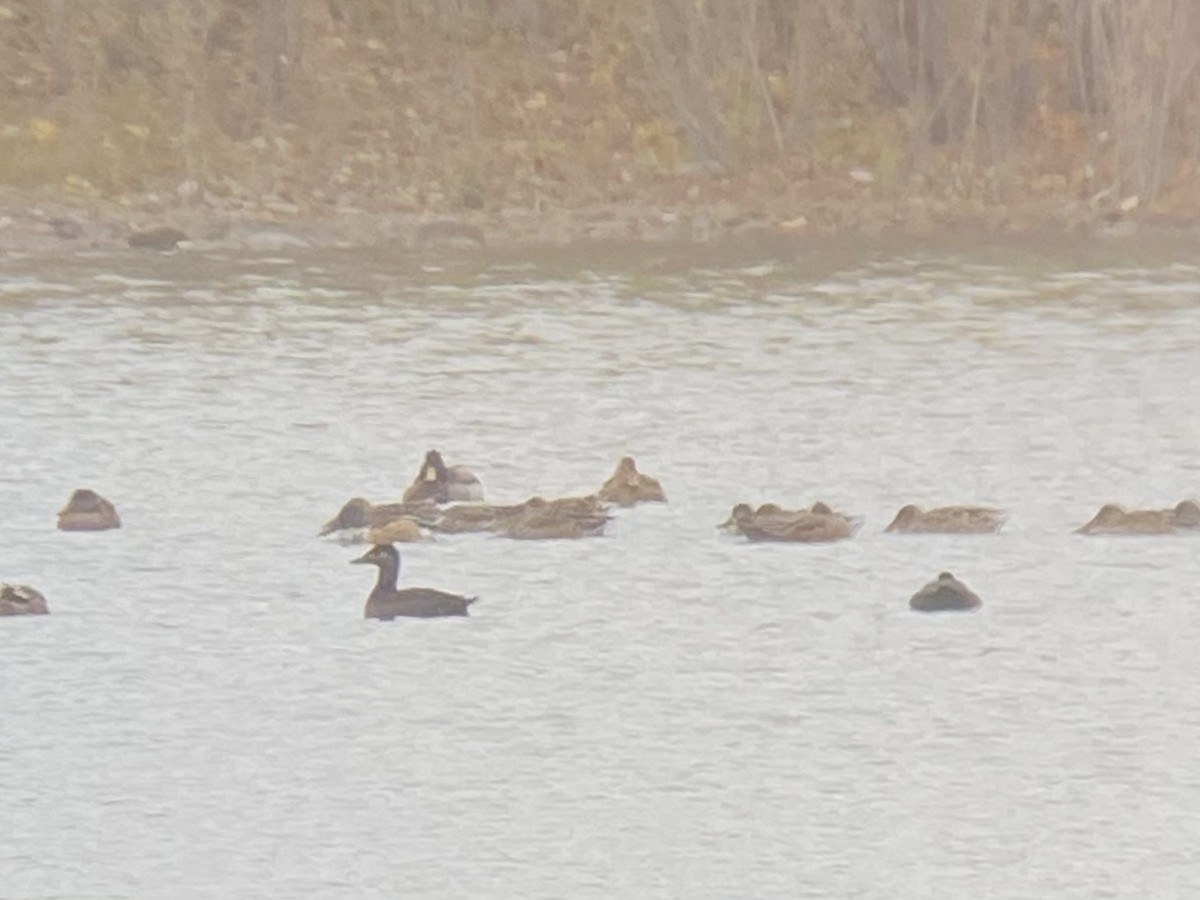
665	712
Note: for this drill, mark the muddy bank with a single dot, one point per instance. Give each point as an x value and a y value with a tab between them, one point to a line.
41	222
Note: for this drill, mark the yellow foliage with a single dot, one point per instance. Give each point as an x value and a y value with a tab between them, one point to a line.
602	74
79	185
43	131
656	145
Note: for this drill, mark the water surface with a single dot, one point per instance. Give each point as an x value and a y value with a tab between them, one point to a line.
664	712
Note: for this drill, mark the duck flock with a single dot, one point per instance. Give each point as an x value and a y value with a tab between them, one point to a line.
446	499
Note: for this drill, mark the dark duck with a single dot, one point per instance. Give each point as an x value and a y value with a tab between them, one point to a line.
387	602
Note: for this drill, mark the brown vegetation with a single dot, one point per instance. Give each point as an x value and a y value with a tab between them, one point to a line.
818	114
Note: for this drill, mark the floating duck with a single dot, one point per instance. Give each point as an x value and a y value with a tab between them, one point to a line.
948	520
628	486
771	522
1115	519
386	602
88	511
563	518
944	594
803	527
21	600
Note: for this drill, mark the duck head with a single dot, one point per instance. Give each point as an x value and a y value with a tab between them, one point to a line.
1187	514
379	555
352	515
431	480
741	513
1110	514
433	468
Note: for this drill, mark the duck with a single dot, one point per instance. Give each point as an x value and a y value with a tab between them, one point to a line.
773	516
21	600
739	515
386	602
912	519
804	526
481	517
944	594
88	511
468	518
564	518
744	514
358	515
627	486
586	506
1115	519
440	483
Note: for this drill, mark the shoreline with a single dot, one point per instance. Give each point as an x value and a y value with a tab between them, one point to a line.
46	222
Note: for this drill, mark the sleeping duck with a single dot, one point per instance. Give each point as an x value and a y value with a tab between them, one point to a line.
948	520
803	527
563	518
944	594
1115	519
771	522
88	511
386	602
628	486
744	514
469	518
21	600
439	483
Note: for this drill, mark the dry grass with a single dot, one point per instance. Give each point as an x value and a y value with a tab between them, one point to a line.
476	104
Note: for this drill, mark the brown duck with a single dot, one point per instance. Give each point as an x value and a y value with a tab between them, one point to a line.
802	527
564	518
770	517
628	486
1115	519
21	600
948	520
88	511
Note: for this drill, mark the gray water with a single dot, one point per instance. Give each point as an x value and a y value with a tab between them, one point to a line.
663	712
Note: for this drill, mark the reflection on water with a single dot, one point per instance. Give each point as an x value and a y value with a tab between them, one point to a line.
664	712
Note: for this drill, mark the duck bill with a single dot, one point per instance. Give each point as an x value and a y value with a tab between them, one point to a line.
362	559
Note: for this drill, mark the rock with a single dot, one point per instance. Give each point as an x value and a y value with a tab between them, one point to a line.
450	232
162	238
